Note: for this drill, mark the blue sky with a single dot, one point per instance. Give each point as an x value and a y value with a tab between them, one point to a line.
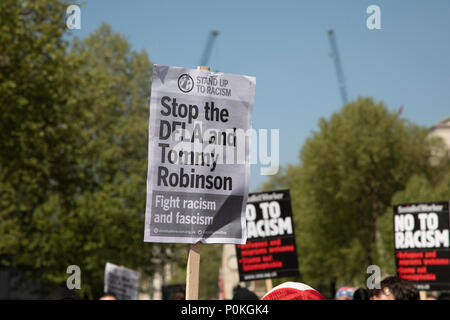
284	44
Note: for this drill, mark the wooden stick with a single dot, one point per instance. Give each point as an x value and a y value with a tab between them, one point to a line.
203	68
193	272
423	295
193	263
269	285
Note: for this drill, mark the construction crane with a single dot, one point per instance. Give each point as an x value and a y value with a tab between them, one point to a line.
206	54
337	63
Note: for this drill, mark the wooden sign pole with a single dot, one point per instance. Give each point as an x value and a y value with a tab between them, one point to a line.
193	263
193	271
423	295
269	285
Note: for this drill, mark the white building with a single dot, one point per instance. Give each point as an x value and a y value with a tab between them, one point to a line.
442	129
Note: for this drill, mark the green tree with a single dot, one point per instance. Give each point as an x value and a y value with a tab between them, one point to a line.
113	90
37	136
73	153
350	169
210	262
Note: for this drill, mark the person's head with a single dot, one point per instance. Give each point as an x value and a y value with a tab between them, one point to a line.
361	294
293	291
178	296
108	296
345	293
240	293
445	295
394	288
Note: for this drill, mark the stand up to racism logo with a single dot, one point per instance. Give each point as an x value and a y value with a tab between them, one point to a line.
185	83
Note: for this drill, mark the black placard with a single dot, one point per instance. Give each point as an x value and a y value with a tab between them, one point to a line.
422	244
270	251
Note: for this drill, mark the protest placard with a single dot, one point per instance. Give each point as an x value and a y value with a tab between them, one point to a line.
122	282
422	248
198	163
270	251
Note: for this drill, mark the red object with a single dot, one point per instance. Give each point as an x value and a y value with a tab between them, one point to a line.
293	291
221	286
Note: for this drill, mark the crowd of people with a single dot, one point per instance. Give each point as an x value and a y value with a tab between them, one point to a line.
391	288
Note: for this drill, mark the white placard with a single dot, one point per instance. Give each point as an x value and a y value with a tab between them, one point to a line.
122	282
198	163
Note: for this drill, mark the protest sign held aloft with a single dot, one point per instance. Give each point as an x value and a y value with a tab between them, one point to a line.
270	251
198	163
122	282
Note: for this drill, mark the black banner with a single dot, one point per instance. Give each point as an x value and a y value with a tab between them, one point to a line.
270	251
422	244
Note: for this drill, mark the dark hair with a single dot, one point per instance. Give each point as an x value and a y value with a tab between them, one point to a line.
445	295
400	288
361	294
240	293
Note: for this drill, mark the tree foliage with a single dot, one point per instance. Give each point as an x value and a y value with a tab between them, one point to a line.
349	171
37	164
73	151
